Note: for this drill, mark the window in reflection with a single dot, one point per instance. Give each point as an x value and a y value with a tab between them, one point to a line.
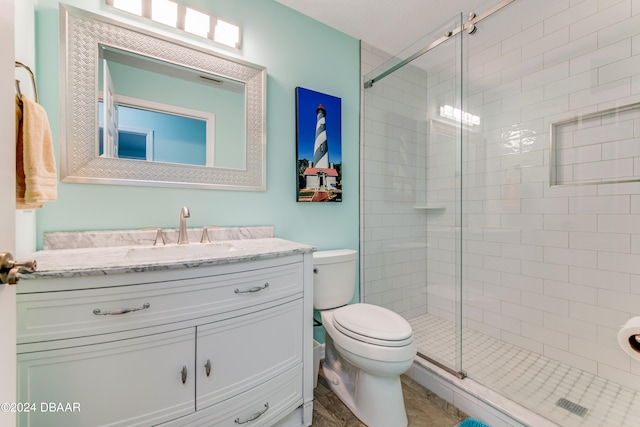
146	84
157	136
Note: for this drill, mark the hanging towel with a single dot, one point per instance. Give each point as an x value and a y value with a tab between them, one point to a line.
36	181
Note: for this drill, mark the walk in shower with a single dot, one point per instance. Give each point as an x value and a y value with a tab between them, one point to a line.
500	201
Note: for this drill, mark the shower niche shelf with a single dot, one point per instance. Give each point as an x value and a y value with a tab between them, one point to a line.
596	148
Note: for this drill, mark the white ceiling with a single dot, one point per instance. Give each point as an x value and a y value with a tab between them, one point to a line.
390	25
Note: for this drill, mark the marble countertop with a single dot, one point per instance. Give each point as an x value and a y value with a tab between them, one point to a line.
95	261
104	238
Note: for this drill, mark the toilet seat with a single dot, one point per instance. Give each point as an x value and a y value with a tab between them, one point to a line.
373	324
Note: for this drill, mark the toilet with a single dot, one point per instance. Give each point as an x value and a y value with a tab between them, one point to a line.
367	347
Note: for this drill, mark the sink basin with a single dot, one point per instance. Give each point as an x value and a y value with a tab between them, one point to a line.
194	251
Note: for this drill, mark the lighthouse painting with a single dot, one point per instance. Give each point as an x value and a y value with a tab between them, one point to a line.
319	146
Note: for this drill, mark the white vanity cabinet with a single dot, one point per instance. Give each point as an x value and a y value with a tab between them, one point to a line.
130	382
216	345
241	353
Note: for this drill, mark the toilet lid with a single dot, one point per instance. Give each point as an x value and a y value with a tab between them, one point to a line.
373	324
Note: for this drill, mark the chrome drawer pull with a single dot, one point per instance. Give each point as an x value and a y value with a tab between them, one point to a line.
99	312
254	416
183	373
253	290
207	367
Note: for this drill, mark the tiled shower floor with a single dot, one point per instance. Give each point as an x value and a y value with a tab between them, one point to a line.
529	379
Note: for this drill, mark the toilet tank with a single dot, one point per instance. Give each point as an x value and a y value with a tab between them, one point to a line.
334	278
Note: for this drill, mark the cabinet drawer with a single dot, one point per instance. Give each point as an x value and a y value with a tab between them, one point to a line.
70	314
241	353
132	382
268	403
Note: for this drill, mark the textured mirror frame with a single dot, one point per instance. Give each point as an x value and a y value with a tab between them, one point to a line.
81	33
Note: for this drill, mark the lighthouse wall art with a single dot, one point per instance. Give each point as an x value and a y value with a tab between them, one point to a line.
319	146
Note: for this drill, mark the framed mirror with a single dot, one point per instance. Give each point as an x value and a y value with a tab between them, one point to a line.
140	109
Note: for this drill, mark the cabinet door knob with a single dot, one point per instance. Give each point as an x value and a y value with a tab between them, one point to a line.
207	367
184	374
254	416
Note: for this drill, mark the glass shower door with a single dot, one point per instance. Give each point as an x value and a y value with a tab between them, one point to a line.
411	192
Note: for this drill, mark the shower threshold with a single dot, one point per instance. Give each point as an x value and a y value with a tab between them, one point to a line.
458	374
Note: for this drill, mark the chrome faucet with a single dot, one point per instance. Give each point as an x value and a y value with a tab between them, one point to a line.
183	238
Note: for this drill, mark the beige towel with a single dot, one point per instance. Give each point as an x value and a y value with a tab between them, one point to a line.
36	181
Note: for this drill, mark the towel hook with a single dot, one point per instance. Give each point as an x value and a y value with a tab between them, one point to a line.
33	81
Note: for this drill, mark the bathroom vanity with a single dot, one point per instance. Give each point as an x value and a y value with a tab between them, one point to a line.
216	334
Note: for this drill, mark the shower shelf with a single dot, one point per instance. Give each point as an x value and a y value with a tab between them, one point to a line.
430	207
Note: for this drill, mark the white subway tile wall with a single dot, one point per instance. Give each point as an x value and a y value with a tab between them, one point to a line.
555	269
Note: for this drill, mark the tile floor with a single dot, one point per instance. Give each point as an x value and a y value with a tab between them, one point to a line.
561	393
424	409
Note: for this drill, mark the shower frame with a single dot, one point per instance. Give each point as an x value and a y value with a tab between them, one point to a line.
470	28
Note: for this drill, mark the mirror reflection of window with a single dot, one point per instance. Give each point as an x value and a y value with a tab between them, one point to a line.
156	136
148	84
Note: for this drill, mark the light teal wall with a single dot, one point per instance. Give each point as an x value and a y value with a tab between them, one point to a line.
297	51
